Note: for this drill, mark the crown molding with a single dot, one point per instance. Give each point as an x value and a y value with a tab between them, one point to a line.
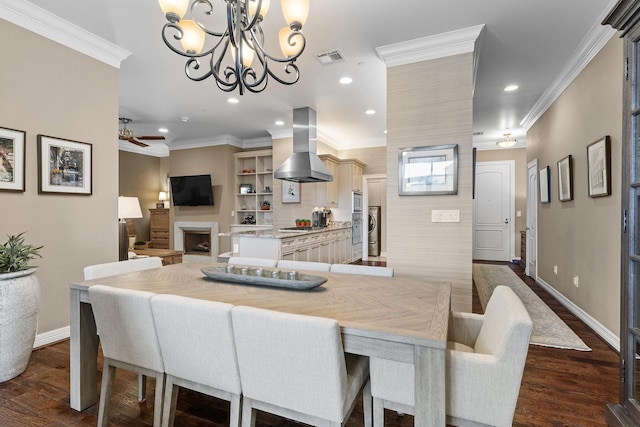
431	47
153	150
597	37
52	27
257	142
206	142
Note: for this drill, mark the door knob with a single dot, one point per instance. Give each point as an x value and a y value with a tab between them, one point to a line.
506	220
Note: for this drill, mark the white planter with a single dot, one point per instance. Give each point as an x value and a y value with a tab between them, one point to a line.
19	302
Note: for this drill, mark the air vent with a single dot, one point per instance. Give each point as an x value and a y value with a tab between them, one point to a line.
480	133
330	57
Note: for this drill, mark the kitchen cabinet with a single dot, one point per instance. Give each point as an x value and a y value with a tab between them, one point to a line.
254	187
351	171
328	193
159	228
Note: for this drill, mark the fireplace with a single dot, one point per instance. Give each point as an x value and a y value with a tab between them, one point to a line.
197	242
193	238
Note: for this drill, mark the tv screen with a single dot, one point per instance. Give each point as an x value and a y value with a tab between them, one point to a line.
191	190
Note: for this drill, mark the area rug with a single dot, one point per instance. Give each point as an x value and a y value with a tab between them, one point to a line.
548	329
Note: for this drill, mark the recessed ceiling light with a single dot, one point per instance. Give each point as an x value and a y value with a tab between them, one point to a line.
163	130
370	112
233	100
184	119
511	88
279	123
346	80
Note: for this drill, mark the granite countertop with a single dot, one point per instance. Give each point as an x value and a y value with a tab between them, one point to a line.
277	234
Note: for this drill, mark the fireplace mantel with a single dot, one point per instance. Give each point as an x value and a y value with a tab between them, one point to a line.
178	239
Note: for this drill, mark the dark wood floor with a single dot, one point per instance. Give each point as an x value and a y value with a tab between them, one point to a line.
560	388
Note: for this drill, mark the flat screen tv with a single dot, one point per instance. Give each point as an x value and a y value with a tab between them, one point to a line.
191	190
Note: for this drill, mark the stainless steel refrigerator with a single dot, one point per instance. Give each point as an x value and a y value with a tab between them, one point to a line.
374	230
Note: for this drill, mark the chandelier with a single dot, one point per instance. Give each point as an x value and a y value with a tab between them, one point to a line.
235	51
506	142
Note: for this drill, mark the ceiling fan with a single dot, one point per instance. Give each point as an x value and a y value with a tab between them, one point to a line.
127	134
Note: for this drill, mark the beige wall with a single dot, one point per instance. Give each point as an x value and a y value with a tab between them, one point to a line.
49	89
375	159
141	177
430	103
582	237
519	156
218	161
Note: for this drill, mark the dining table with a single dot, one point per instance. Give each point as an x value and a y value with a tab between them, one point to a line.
398	318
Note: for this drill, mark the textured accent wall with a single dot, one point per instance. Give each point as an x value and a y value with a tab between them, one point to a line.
582	236
52	90
430	103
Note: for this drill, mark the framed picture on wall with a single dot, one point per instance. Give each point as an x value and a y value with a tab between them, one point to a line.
599	167
429	170
64	166
12	159
545	185
290	192
565	179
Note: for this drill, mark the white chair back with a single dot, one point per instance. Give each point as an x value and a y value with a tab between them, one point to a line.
258	262
304	265
368	270
196	339
301	364
112	268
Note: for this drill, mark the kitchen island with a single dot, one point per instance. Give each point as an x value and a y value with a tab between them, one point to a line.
327	244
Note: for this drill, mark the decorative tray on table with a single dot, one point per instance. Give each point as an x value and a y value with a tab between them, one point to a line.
251	275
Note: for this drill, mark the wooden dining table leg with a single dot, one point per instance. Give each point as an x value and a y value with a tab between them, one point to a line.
430	406
83	354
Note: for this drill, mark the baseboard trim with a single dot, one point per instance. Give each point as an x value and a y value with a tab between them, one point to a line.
51	337
596	326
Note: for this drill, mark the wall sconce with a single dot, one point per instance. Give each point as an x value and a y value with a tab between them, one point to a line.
128	207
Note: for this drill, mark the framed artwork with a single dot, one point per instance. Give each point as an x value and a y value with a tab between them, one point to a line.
246	188
565	179
599	167
429	170
64	166
290	192
12	159
545	185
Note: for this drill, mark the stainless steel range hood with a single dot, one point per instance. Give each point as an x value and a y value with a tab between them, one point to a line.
304	165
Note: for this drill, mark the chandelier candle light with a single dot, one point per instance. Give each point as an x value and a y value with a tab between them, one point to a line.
236	53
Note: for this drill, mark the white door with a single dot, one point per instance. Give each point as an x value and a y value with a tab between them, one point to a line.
493	208
532	219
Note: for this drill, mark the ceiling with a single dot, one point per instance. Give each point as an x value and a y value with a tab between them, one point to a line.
528	43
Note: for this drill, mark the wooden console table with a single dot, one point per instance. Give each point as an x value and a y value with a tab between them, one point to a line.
168	256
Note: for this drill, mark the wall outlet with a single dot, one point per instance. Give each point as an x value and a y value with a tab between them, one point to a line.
236	248
576	281
555	270
233	213
452	215
518	213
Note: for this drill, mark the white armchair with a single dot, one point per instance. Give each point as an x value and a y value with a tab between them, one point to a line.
368	270
485	360
258	262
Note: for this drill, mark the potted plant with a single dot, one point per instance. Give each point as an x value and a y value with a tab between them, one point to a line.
19	304
266	205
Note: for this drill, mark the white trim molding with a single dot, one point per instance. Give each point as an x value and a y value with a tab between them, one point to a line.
51	337
46	24
597	327
597	37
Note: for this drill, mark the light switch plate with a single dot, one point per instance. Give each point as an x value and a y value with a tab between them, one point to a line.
452	215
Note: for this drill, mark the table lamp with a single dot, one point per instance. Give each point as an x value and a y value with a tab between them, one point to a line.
128	207
162	197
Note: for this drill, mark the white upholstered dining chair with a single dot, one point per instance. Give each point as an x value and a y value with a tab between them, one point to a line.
97	271
368	270
196	339
294	366
128	336
304	265
485	360
258	262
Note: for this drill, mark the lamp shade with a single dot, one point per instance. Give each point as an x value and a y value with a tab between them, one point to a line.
507	142
289	48
162	196
192	36
176	7
129	207
253	6
295	12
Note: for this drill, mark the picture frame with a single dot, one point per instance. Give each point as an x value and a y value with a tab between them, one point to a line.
64	166
428	170
565	179
12	159
599	167
290	192
245	188
544	182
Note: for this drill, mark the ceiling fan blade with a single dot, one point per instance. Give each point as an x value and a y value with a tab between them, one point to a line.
150	137
139	143
122	137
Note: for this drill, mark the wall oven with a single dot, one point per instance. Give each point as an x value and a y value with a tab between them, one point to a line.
357	202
